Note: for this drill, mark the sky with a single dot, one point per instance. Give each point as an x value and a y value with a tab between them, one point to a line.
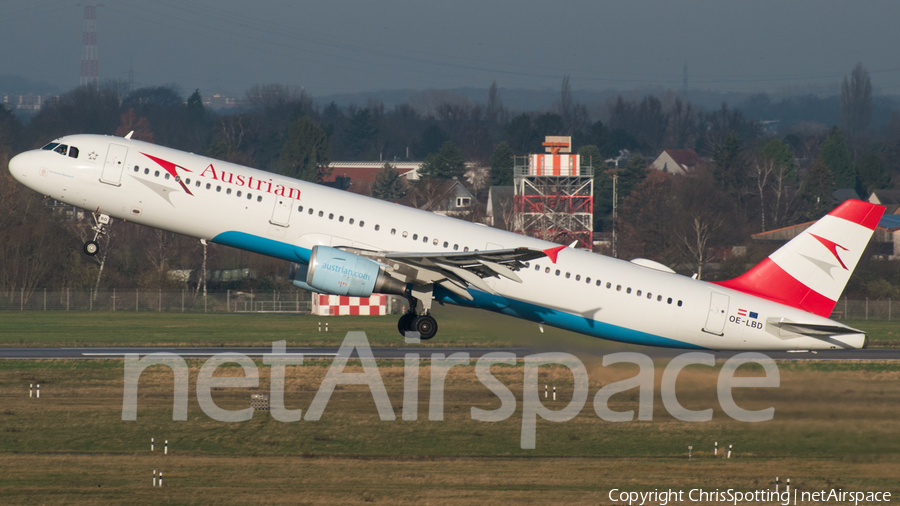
344	46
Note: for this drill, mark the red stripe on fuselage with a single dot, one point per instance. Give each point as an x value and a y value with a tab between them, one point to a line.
769	281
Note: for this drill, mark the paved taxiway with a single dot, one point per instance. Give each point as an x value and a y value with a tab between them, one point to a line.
399	353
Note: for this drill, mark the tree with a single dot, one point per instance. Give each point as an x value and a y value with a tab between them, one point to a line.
871	174
856	102
772	162
306	152
783	180
448	163
816	193
502	165
389	184
836	156
633	174
729	164
591	156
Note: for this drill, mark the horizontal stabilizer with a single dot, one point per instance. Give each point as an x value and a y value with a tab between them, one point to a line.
812	329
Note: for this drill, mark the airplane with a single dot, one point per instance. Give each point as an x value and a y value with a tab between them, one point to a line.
347	244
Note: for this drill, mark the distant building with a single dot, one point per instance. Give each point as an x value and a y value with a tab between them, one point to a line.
365	172
451	197
887	198
677	161
842	195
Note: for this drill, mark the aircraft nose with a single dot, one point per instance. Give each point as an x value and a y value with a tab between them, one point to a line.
20	166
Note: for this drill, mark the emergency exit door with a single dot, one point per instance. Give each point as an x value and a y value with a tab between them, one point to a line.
114	165
718	313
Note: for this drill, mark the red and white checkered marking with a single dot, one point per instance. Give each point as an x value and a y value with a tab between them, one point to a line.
336	305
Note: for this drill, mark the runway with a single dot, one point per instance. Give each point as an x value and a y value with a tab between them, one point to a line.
389	353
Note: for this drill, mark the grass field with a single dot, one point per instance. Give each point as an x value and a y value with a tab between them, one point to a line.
457	327
835	424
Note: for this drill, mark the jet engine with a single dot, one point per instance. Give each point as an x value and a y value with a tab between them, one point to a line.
338	272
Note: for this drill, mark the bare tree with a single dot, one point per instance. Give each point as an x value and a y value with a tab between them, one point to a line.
856	102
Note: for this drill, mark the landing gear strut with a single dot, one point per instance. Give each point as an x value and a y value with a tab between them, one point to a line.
424	324
101	221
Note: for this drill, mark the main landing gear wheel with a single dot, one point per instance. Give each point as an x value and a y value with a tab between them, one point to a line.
404	325
426	326
91	248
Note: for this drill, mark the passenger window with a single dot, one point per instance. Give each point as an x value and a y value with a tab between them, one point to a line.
435	242
330	216
310	210
466	248
146	171
341	219
628	290
547	270
321	213
167	176
649	295
300	209
659	298
351	221
638	293
425	239
669	300
219	188
239	193
618	288
393	231
537	267
415	237
679	303
608	284
568	275
136	168
249	196
405	233
362	223
73	152
557	272
259	198
197	184
208	186
377	227
186	181
578	277
228	192
156	174
456	247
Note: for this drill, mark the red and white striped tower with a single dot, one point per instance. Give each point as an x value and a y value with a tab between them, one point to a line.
89	68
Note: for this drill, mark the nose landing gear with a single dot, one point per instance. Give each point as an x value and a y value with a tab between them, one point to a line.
101	221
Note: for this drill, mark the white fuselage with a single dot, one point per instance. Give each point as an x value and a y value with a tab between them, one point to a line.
284	218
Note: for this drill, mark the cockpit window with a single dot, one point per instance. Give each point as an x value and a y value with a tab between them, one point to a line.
62	149
49	147
73	152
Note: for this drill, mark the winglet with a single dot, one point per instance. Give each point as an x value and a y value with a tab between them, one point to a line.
553	252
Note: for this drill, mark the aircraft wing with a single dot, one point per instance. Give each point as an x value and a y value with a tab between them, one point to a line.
455	271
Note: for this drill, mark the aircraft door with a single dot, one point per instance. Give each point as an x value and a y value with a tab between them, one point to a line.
718	313
281	214
115	163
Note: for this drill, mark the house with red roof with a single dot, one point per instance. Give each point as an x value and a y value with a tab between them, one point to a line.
677	161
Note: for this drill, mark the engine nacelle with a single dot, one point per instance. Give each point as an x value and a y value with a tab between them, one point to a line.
338	272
